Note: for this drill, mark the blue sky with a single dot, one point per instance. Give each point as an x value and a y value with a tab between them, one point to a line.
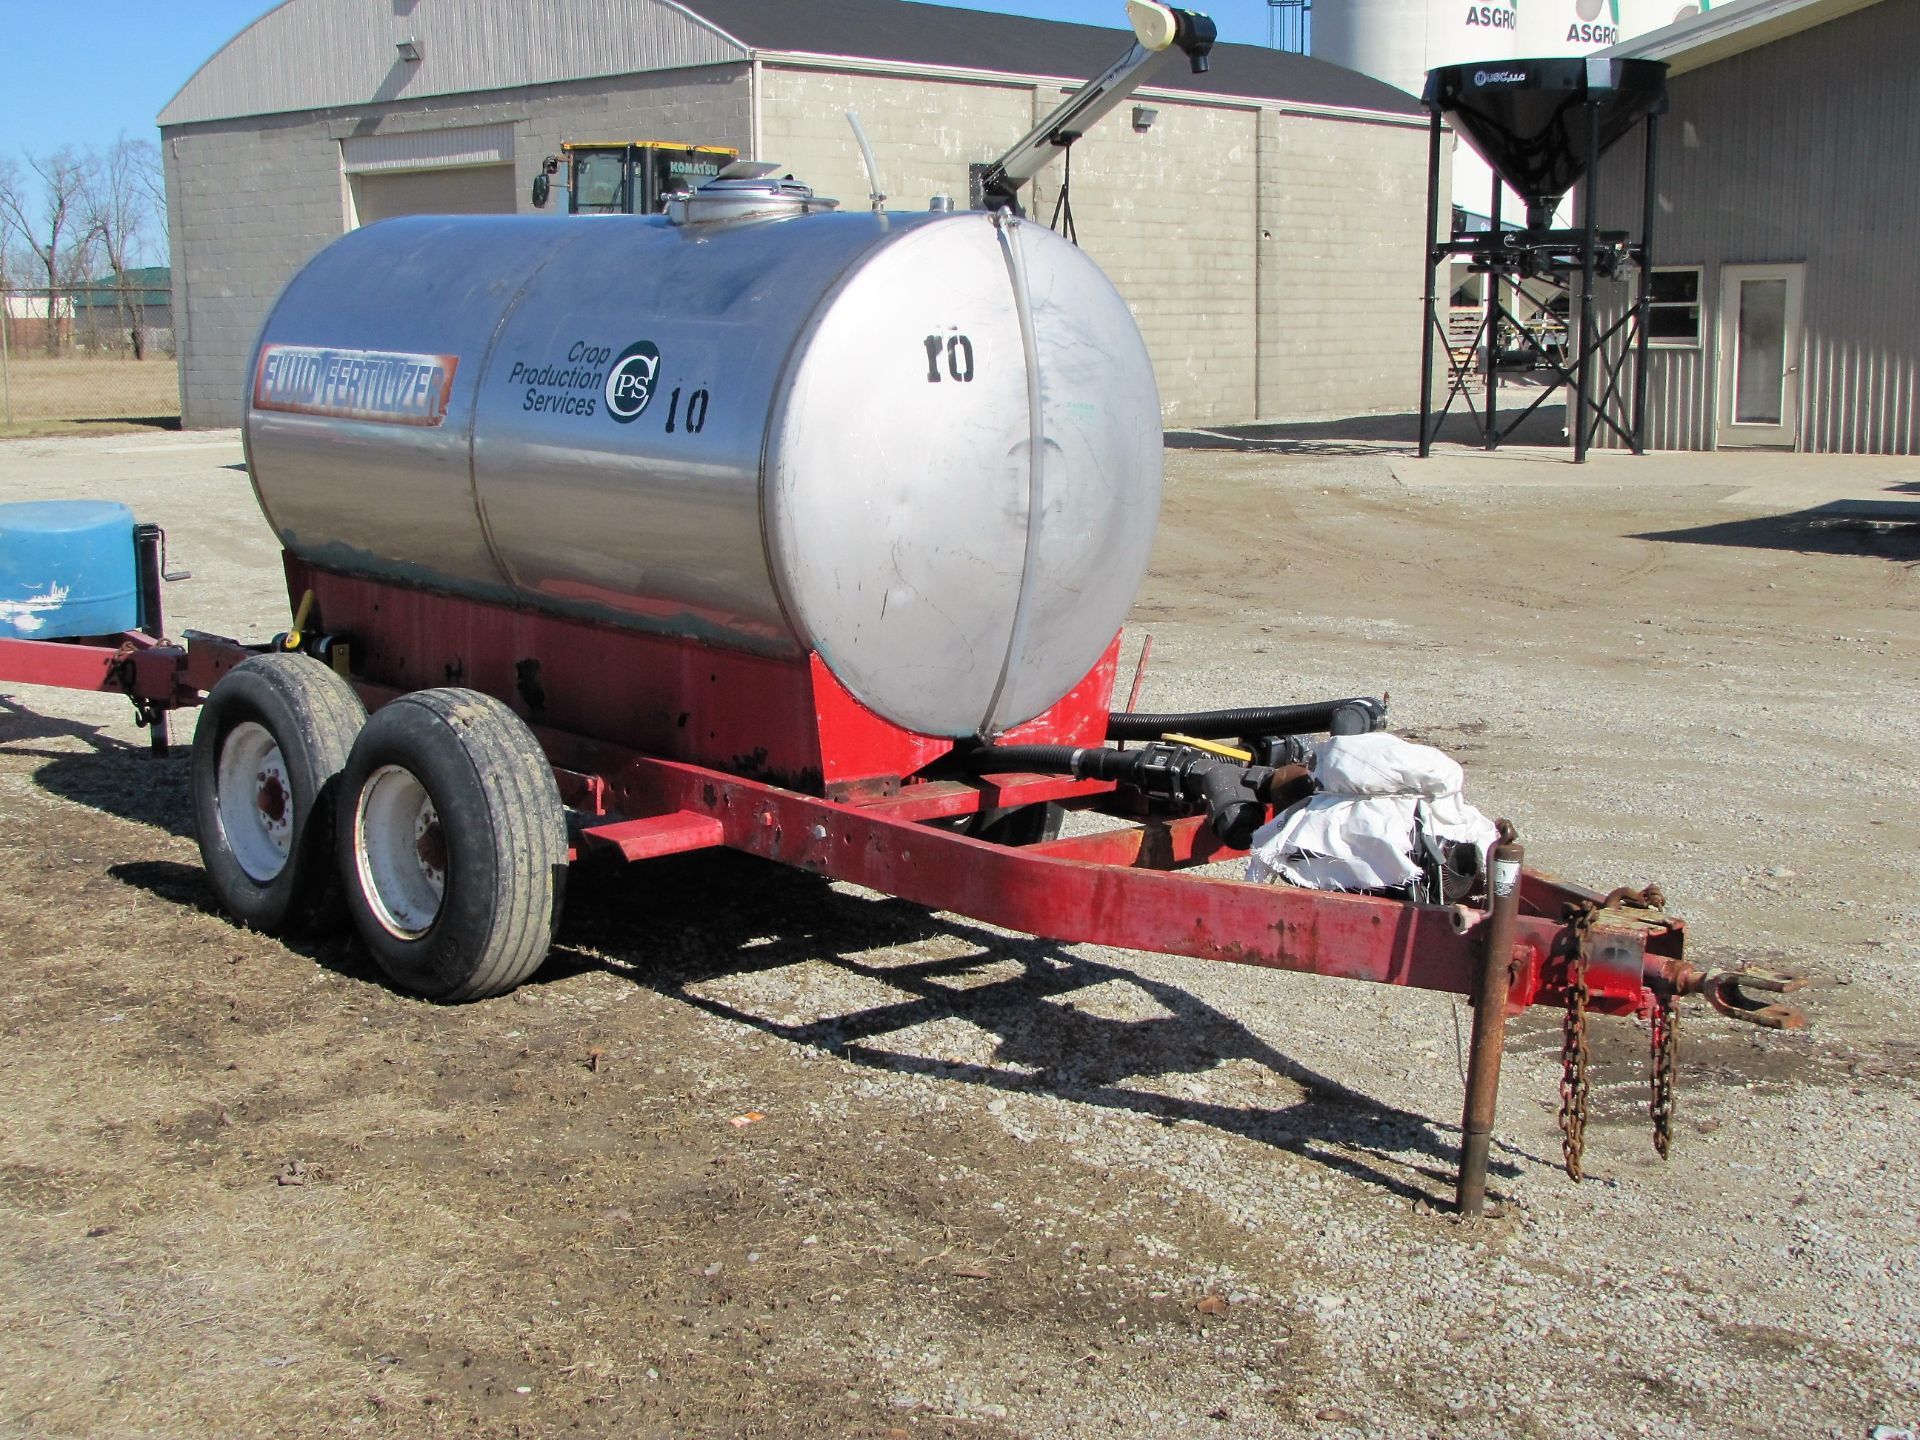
139	52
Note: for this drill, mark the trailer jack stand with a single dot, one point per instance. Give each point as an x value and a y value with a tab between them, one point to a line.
1489	1042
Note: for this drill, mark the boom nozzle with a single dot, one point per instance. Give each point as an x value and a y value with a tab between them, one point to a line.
1161	27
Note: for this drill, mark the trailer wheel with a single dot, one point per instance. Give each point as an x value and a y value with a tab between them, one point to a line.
453	845
272	739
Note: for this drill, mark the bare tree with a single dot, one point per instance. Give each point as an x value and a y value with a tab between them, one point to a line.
118	206
47	213
150	174
12	254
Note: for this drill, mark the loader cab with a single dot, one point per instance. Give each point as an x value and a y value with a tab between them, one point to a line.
631	177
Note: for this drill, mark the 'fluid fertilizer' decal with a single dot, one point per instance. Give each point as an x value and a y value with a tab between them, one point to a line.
380	385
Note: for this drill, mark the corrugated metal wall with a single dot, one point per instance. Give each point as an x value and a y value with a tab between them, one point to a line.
317	54
1806	150
1679	381
428	149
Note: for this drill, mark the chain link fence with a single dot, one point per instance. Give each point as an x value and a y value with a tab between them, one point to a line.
87	353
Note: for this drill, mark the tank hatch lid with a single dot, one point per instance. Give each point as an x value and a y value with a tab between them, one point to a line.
1530	119
746	190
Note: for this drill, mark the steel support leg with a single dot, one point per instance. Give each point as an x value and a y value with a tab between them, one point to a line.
1489	1026
1590	223
1492	416
149	566
1432	261
1649	204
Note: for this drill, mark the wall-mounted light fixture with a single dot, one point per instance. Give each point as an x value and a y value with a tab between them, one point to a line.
1143	118
409	49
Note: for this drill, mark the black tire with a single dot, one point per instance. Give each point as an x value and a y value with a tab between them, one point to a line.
453	845
269	855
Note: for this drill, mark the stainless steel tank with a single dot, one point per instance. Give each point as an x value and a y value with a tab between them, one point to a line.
926	446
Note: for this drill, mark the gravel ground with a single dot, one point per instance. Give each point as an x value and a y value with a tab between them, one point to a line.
1002	1187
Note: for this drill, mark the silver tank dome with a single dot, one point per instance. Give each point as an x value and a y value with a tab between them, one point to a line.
925	446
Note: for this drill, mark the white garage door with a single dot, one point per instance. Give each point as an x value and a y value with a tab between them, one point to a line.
468	190
461	170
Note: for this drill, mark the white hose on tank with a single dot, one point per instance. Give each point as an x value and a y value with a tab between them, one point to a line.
876	192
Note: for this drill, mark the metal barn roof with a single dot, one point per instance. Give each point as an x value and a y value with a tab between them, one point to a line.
148	286
946	35
1729	30
326	54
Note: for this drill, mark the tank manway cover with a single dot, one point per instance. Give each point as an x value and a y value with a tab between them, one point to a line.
1531	119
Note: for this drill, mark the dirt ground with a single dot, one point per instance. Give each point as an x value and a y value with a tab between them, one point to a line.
754	1155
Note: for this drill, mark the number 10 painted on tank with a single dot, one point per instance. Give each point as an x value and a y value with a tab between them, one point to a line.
959	358
696	411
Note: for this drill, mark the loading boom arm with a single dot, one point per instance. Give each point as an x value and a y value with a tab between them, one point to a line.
1159	31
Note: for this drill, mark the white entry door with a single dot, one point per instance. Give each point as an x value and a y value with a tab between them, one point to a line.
1760	354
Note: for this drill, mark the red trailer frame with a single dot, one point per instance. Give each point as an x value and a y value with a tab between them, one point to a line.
663	745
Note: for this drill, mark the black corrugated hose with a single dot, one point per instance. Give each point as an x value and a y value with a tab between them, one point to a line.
1356	716
1083	763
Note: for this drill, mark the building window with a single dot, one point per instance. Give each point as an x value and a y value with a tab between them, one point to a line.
1673	306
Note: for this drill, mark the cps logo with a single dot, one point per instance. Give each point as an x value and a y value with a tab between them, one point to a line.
630	381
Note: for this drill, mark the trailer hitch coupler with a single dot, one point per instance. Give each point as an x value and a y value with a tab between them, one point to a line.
1726	992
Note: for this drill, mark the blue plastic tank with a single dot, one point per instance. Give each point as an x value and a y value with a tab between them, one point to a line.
67	568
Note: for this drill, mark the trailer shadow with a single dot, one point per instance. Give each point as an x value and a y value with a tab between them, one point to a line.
110	775
725	919
720	917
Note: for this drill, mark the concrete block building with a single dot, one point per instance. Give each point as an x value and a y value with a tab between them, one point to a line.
1263	220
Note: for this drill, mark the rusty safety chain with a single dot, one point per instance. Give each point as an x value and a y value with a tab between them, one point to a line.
1664	1070
1573	1060
123	674
1574	1084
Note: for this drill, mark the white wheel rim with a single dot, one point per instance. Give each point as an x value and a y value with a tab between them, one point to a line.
400	852
254	798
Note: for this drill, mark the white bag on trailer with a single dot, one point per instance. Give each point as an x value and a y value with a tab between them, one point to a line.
1379	798
1383	764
